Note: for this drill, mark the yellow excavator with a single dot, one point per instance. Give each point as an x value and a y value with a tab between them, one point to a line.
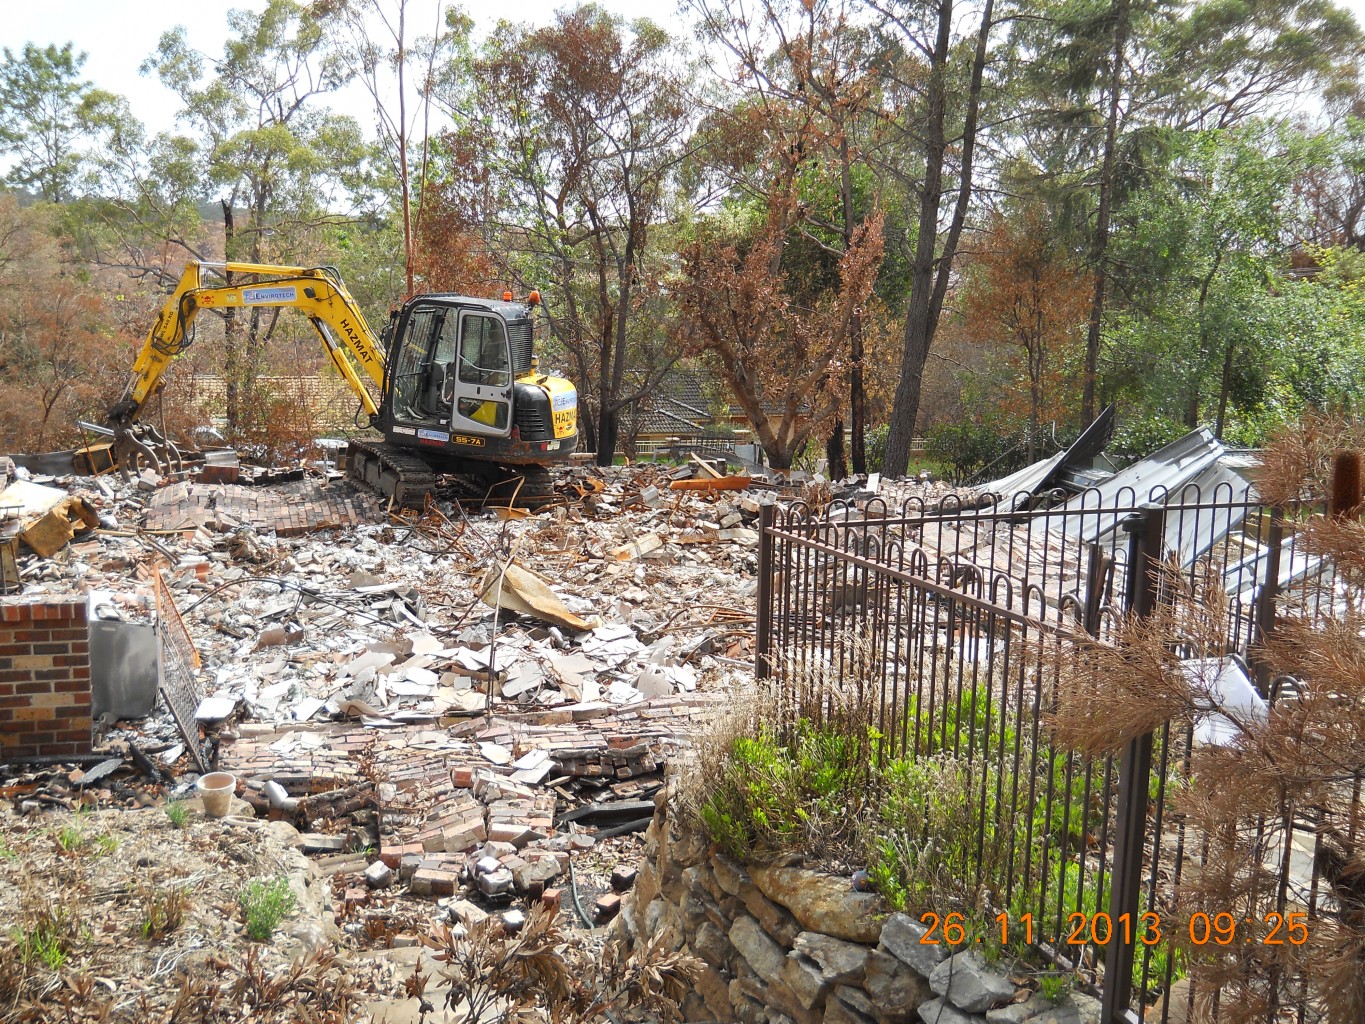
459	388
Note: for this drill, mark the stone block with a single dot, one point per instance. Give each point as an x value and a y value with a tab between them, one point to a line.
729	876
803	977
893	987
969	983
839	1012
759	951
1018	1013
715	993
823	903
840	961
940	1011
710	943
901	937
777	921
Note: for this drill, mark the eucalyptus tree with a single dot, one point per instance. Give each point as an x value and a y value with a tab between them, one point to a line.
576	132
1110	89
933	85
49	118
266	146
819	57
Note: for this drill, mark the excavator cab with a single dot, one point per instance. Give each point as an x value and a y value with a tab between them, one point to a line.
462	384
453	370
459	392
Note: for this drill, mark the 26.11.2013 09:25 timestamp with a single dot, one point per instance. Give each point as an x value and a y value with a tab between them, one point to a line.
1223	929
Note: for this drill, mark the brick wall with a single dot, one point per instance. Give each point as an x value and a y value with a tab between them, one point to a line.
44	678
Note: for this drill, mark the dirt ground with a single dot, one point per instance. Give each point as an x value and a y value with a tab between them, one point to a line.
125	915
121	915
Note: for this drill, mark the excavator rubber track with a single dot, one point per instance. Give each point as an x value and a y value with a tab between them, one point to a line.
528	487
391	472
394	472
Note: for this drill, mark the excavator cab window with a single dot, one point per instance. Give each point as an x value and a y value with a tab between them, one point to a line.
412	374
483	389
484	358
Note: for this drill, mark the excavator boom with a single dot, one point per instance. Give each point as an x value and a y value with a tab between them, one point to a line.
316	291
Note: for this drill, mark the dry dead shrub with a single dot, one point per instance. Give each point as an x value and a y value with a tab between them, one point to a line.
1110	693
535	973
1298	462
277	422
1282	779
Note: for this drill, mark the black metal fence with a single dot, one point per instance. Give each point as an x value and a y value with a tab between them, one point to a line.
947	625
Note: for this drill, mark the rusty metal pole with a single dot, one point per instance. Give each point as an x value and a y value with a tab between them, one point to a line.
1146	529
1263	625
764	642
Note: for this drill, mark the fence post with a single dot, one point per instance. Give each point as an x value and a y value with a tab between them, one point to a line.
767	515
1264	623
1146	529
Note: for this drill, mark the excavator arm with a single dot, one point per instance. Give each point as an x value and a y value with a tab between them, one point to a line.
317	292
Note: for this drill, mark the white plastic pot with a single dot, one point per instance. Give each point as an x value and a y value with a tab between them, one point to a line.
216	789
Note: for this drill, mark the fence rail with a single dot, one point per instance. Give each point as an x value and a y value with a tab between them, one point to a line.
949	624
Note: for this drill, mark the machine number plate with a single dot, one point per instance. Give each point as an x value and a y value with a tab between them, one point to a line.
475	442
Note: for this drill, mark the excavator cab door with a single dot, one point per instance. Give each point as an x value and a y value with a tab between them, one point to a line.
478	382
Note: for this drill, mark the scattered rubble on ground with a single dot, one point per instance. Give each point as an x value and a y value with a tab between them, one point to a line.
448	712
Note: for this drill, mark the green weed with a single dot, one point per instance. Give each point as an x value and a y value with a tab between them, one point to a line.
70	838
107	844
265	904
1054	987
163	910
6	853
43	941
178	813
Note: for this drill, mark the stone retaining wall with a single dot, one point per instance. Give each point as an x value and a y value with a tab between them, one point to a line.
785	945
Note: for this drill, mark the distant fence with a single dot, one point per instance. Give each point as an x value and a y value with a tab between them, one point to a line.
948	622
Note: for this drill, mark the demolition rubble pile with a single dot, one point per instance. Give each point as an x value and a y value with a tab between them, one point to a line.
457	698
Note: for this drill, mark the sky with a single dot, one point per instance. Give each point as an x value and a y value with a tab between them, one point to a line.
118	35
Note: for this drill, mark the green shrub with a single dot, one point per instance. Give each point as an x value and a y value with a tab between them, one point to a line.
965	447
874	447
264	905
776	797
178	814
1137	437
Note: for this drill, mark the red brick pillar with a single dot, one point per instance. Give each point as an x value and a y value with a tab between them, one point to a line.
44	677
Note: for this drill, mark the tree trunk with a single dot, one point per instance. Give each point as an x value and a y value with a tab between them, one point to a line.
1223	389
1100	247
857	399
231	330
834	451
928	287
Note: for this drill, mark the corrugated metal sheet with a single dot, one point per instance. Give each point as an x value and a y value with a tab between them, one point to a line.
1186	471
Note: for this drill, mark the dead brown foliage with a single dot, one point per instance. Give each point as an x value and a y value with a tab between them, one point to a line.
1298	464
1279	778
535	973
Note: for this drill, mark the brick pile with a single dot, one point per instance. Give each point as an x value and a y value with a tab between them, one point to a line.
445	800
44	678
289	512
